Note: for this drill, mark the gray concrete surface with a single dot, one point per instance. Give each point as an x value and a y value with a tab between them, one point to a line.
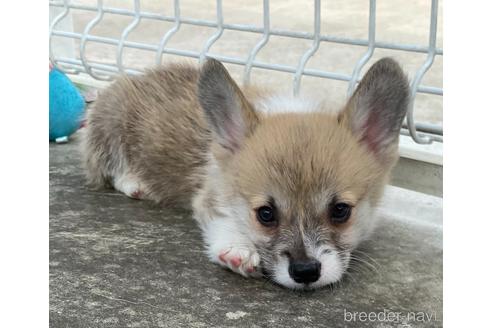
117	262
398	21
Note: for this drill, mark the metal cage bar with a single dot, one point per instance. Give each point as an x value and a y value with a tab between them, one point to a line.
124	35
314	47
55	21
170	33
83	43
420	132
370	48
263	41
217	35
420	74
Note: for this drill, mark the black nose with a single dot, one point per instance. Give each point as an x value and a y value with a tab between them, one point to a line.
305	271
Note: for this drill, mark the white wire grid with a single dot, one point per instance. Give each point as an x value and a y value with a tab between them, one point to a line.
422	133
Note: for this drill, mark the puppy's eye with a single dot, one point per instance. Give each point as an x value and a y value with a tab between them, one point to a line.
340	213
265	215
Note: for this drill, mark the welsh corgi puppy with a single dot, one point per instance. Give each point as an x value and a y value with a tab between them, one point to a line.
281	187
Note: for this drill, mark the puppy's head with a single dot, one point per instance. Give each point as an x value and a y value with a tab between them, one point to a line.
309	181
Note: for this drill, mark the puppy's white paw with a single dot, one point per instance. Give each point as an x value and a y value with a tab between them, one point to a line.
129	185
228	245
240	260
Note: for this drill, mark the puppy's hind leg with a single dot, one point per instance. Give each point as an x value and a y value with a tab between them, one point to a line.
129	184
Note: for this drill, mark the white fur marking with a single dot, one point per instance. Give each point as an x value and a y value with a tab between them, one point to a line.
129	185
287	104
227	244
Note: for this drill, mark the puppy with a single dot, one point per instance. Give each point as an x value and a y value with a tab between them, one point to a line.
280	186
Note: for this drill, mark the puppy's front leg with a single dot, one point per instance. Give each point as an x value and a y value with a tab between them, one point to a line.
226	239
229	247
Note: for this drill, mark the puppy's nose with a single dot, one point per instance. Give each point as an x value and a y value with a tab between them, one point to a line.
304	271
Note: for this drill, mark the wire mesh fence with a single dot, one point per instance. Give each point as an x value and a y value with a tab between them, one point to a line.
72	57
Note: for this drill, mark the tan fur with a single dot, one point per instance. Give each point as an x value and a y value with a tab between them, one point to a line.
153	124
302	160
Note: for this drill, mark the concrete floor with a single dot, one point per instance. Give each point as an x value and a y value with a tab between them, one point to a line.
398	21
117	262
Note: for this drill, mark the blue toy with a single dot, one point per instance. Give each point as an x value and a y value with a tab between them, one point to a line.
66	106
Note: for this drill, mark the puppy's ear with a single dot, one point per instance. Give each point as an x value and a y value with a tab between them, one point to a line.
227	111
376	110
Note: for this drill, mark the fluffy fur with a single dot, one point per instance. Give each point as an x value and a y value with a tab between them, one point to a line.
181	135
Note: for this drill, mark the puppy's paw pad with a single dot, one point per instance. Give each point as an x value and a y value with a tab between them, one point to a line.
242	261
236	261
136	194
225	258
